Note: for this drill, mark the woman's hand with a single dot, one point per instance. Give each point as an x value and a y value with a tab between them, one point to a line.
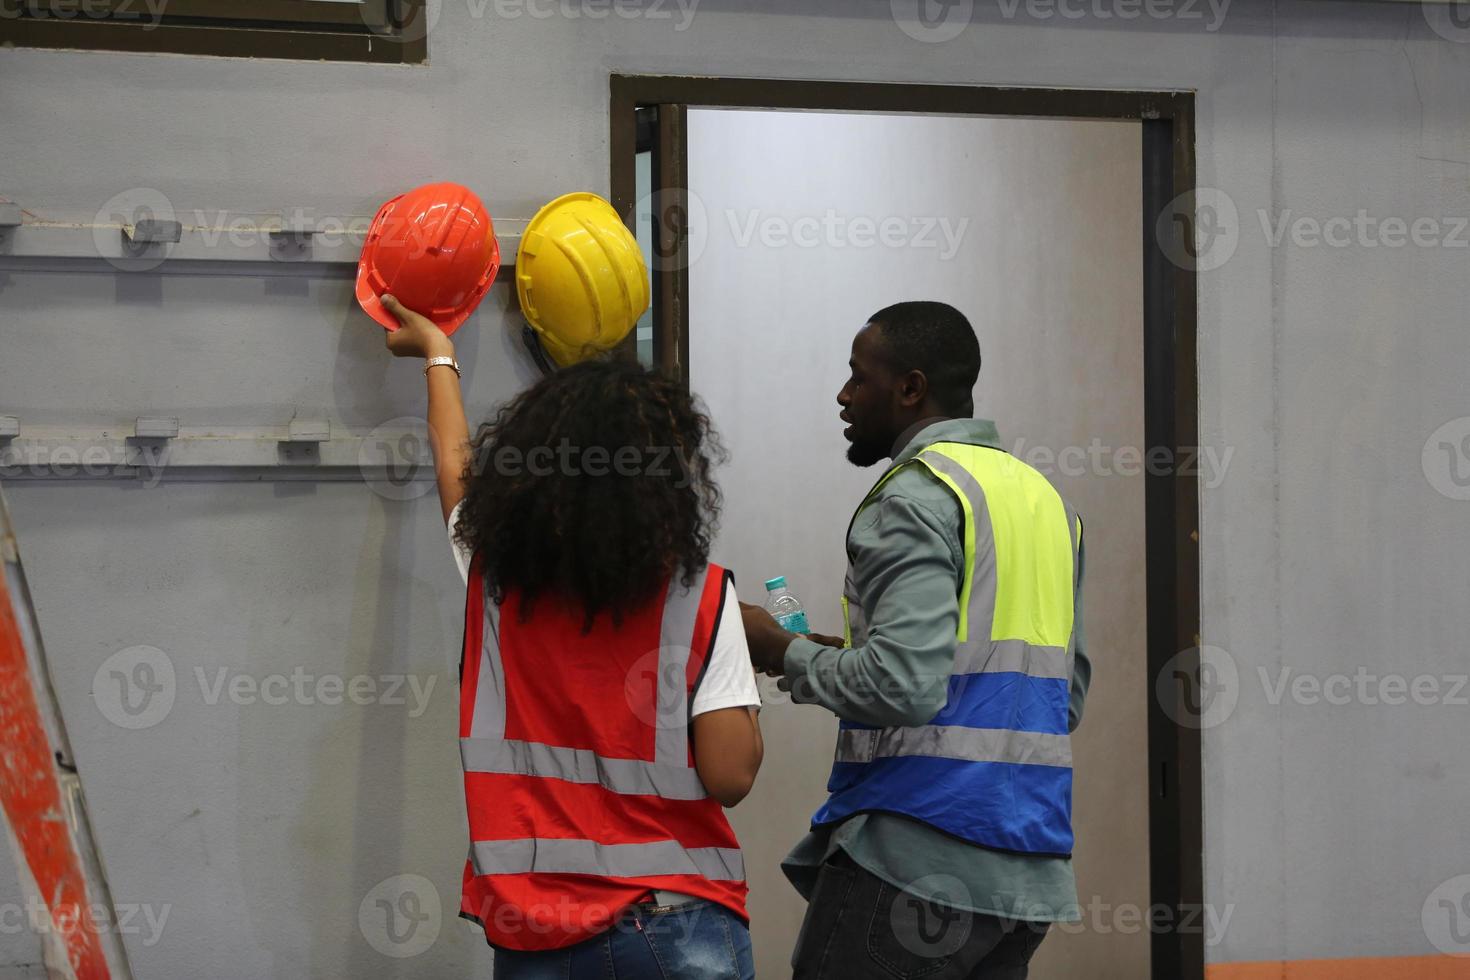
416	336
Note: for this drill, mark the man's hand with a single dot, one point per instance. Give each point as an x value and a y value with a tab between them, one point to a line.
768	641
416	336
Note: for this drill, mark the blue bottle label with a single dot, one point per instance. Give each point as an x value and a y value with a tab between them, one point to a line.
794	622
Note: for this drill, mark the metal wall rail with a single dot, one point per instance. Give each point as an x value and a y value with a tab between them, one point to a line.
260	246
392	458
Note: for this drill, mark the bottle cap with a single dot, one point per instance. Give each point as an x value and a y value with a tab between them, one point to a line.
779	582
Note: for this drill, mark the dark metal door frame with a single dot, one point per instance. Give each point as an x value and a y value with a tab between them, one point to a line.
1171	384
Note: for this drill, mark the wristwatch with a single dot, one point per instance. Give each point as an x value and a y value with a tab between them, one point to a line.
436	361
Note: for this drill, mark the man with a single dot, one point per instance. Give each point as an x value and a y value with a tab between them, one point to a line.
944	848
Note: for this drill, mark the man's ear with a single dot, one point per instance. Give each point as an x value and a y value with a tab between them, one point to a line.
913	388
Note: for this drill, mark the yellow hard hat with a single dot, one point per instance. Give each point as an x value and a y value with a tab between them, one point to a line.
580	277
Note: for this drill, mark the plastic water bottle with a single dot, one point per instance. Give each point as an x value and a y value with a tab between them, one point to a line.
785	607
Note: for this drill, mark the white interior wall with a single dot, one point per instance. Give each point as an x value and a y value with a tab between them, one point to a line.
1324	369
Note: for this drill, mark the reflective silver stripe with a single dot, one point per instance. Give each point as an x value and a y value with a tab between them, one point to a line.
955	742
1020	657
570	856
489	720
972	655
625	776
681	609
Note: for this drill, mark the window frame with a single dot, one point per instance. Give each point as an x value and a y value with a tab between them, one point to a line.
369	31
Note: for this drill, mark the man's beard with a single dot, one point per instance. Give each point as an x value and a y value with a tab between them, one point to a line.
860	453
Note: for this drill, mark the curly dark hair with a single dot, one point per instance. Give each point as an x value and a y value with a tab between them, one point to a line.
594	486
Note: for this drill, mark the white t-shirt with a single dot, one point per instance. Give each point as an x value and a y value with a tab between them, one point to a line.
729	680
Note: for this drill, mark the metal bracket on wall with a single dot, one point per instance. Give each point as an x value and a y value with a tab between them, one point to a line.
200	244
305	449
152	231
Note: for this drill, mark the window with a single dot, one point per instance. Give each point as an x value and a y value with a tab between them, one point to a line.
383	31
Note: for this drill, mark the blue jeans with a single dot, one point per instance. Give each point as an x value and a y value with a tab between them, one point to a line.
699	940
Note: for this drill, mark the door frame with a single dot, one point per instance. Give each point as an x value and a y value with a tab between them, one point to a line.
1171	385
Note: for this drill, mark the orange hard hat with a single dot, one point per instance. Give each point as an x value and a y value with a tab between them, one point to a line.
434	249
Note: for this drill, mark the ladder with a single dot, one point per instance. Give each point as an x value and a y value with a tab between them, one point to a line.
45	814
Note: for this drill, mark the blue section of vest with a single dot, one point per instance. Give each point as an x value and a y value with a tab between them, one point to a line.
1021	808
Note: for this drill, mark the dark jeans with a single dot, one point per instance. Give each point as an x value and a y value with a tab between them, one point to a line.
697	941
858	926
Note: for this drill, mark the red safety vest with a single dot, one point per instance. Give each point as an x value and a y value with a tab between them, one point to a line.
578	766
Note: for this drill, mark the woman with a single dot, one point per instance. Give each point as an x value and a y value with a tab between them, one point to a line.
608	707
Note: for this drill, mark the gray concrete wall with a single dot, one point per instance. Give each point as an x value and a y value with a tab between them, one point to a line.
1334	543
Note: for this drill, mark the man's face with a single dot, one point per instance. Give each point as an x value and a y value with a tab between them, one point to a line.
868	400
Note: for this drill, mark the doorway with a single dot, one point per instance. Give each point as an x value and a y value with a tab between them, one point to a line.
786	213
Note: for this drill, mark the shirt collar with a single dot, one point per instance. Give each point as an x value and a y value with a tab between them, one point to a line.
926	432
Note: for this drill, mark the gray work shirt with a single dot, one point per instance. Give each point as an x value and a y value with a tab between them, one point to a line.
906	549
